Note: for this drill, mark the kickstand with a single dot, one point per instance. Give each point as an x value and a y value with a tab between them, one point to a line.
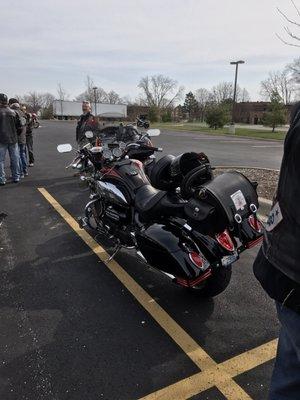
115	252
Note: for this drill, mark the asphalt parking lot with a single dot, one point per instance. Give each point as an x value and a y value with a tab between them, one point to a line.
74	327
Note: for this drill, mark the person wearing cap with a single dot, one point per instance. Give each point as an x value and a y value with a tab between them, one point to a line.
9	126
14	105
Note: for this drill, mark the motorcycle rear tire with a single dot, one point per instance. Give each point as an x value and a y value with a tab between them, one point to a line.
215	284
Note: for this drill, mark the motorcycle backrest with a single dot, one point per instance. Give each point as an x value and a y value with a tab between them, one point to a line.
64	148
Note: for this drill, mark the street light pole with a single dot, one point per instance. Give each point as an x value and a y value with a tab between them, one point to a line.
95	99
236	63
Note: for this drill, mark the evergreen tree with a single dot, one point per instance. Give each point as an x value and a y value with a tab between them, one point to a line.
217	116
167	116
153	114
190	106
276	114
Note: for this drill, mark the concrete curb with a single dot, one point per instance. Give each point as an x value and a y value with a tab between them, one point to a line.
244	167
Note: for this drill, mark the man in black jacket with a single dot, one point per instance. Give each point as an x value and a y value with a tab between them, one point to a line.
29	136
85	123
277	266
9	125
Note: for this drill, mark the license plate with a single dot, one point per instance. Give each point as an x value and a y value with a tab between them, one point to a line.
228	260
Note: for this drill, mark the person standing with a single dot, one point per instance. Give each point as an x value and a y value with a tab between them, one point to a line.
29	136
277	266
14	105
9	125
86	122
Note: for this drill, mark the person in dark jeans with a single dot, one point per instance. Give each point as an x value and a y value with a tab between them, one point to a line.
29	137
277	267
9	125
14	105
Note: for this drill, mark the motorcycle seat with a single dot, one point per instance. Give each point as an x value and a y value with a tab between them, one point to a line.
151	203
147	197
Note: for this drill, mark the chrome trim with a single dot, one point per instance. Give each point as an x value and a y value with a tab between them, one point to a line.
168	275
112	189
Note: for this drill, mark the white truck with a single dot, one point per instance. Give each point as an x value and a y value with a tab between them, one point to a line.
65	109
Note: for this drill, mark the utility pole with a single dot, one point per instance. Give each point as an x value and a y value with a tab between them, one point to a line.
61	109
236	63
95	99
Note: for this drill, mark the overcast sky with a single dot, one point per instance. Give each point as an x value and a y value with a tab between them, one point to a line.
117	42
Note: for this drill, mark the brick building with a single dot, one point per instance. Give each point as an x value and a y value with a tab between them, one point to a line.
252	112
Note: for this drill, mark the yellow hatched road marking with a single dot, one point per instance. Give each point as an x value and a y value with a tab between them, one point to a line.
206	379
213	374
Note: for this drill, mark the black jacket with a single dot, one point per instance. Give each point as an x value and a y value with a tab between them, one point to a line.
84	124
282	246
9	125
29	124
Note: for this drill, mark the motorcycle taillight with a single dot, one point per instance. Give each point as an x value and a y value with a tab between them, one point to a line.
196	259
199	260
255	223
225	240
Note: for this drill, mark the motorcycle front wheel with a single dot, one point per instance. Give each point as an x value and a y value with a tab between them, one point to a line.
215	284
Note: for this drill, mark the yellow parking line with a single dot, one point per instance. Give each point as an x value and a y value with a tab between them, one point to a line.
206	379
213	374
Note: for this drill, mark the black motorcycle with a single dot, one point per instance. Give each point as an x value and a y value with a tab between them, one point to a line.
192	235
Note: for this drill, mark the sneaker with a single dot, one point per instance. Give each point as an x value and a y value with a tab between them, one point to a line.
31	165
2	183
21	176
16	181
25	173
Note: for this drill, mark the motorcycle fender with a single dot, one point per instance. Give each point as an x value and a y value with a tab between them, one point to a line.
162	247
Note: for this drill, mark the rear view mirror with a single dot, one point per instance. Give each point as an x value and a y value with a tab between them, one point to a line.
153	132
89	134
64	148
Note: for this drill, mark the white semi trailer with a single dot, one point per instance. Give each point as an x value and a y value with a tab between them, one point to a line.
65	109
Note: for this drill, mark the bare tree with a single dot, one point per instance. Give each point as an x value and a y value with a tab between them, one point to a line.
159	91
113	97
203	97
34	100
244	96
294	70
293	37
62	93
222	92
89	94
278	82
47	99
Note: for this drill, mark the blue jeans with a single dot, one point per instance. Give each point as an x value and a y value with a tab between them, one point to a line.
23	159
285	384
13	150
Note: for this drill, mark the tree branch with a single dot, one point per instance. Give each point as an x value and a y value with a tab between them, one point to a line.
285	42
296	8
289	20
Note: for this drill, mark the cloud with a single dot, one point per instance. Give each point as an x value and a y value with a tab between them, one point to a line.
117	42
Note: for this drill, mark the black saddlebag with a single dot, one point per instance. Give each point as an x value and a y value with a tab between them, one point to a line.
222	203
